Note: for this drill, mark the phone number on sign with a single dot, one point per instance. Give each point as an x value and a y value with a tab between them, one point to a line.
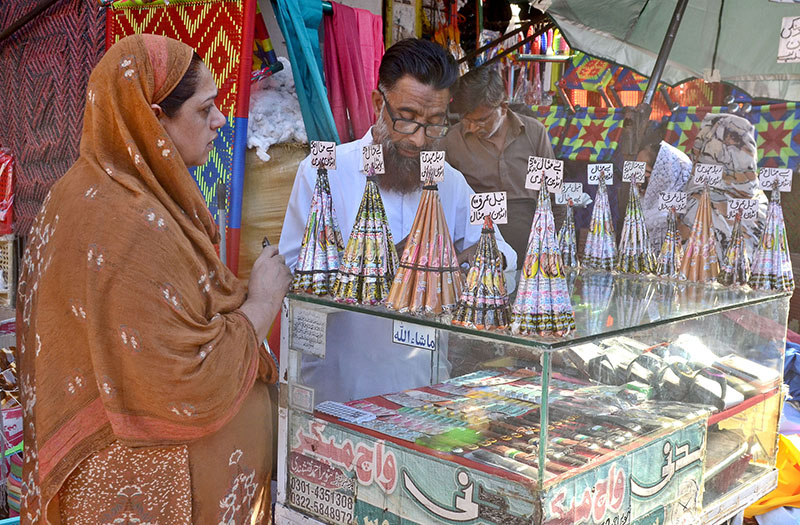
321	501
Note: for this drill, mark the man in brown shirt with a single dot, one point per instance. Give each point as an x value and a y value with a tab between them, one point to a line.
491	145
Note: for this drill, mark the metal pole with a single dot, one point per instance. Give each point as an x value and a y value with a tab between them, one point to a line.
24	19
663	53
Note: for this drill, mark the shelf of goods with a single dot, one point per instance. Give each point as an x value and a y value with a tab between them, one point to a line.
661	407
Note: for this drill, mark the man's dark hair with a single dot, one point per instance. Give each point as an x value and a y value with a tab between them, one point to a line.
425	61
185	88
480	87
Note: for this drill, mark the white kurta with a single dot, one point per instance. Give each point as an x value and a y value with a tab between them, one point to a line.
361	360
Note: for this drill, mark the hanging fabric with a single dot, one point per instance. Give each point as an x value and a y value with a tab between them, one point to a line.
351	68
299	20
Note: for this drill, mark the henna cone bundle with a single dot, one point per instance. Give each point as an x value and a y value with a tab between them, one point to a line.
428	280
370	259
484	301
700	261
543	305
318	261
772	267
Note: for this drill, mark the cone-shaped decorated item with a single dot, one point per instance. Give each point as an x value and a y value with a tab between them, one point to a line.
543	305
318	261
700	261
772	268
567	240
370	259
635	255
428	280
735	268
484	300
670	257
601	249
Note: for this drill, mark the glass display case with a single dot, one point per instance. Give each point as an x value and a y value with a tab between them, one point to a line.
662	407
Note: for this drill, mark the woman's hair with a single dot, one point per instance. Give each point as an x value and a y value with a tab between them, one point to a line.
425	61
185	88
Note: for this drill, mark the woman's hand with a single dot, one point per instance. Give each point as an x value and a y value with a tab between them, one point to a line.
269	282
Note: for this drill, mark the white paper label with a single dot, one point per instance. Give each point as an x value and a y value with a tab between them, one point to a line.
768	176
301	397
414	335
789	43
492	204
323	154
334	505
569	190
372	159
672	199
431	166
551	171
634	171
308	331
710	174
595	171
748	208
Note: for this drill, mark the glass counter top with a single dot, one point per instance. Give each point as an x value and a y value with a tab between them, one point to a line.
605	304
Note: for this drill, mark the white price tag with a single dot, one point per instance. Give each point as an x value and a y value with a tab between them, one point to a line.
308	331
710	174
789	43
492	204
549	171
323	154
569	190
747	207
672	199
414	335
372	159
768	176
595	171
301	397
634	171
431	166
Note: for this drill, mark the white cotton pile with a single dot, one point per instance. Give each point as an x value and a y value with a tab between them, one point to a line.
275	115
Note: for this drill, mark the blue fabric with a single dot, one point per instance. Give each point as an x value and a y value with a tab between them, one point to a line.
791	369
299	21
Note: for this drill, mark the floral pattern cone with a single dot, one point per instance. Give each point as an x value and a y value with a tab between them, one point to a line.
370	259
484	301
429	280
318	261
670	257
700	261
567	239
543	304
772	267
635	255
601	248
735	268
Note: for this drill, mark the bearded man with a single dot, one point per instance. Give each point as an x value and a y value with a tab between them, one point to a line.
414	83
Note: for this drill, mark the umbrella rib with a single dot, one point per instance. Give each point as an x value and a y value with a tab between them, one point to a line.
716	41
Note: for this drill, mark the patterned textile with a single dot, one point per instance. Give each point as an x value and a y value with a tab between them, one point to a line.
684	123
588	73
554	119
129	485
777	134
628	80
42	101
592	134
227	53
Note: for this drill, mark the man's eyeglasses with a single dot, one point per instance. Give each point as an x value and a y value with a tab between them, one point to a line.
409	127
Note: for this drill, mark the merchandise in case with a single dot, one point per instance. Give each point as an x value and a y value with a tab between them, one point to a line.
661	407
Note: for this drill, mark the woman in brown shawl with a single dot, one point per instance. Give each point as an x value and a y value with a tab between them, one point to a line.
143	377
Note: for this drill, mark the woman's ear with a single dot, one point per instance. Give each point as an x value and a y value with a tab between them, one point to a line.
157	111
